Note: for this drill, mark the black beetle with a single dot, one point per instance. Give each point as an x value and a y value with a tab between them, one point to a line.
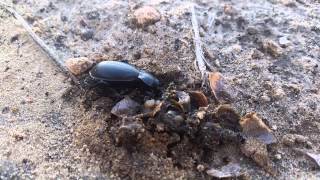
120	74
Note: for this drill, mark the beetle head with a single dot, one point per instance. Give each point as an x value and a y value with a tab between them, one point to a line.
148	79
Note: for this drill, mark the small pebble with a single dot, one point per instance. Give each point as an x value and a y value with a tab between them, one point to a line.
289	3
79	65
278	93
146	15
125	107
137	55
18	136
309	144
200	168
14	38
292	139
271	47
148	51
256	54
278	156
265	98
229	10
284	42
5	110
306	63
160	127
15	110
252	30
93	15
87	34
201	114
149	104
178	118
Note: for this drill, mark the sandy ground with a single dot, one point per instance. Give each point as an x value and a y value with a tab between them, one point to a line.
269	51
36	125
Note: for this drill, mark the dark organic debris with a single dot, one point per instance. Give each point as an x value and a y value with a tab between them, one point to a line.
187	115
253	126
257	150
125	107
173	119
231	170
129	133
103	103
228	117
212	134
14	38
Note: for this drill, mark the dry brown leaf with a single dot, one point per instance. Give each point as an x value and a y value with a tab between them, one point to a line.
253	126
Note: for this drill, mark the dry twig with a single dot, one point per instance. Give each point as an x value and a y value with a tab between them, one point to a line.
201	62
38	40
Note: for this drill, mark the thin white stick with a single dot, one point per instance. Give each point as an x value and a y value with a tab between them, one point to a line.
39	41
197	43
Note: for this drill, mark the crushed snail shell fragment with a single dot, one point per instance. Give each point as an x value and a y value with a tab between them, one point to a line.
221	89
198	98
228	117
231	170
253	126
125	107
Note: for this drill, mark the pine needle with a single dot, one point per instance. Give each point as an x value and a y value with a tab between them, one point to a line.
38	40
201	62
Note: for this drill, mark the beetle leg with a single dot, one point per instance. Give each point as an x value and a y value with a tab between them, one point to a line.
90	82
106	83
125	61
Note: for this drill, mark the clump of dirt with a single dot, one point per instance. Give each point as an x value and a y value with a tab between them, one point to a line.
172	132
